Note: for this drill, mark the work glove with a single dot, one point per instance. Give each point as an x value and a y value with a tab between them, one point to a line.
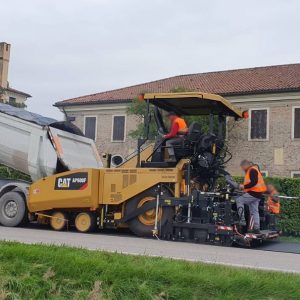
231	182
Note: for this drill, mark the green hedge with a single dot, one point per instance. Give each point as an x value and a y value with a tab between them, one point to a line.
6	172
290	209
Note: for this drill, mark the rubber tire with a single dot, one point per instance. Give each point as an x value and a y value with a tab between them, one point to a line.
93	222
20	217
141	229
65	216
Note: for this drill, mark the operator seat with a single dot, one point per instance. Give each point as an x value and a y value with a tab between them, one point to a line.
194	132
182	150
187	147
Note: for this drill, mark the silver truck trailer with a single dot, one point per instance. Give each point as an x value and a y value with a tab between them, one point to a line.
39	147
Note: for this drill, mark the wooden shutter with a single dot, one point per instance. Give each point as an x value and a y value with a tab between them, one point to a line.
297	123
119	128
259	124
90	127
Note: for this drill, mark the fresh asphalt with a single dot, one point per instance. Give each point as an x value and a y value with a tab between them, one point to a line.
128	244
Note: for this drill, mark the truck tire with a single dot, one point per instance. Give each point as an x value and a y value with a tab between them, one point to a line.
13	210
143	225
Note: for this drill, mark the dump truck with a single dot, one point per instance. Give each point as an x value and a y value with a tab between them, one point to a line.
39	147
148	193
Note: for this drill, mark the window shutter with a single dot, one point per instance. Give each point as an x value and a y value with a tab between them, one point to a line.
90	127
259	124
119	128
297	123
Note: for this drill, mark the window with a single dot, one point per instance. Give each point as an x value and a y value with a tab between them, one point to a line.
259	124
296	123
118	129
12	100
295	174
90	127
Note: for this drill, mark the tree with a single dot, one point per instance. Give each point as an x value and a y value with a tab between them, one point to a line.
138	108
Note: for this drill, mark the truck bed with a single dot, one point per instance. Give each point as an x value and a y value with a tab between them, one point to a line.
31	144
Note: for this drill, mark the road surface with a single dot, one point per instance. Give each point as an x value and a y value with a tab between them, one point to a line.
278	261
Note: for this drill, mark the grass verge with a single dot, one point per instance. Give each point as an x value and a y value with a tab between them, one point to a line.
51	272
290	239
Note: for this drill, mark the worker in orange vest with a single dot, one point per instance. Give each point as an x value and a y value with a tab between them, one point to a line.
177	132
273	203
254	188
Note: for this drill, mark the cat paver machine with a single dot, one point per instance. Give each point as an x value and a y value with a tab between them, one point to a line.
148	193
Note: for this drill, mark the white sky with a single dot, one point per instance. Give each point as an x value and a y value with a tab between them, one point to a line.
68	48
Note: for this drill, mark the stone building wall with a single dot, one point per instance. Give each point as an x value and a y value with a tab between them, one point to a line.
280	154
17	98
104	114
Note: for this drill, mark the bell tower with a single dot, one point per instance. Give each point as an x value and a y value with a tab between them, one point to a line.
4	63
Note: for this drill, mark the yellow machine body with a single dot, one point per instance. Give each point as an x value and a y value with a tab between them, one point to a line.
120	184
132	161
58	191
107	191
91	188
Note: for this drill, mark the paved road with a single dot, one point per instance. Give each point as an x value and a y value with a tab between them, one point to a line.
287	262
277	246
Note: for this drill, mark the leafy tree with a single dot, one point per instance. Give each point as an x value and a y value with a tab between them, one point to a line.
139	108
6	172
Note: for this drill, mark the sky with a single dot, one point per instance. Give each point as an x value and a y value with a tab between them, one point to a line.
69	48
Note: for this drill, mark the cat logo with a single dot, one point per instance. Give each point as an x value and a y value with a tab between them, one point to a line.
75	181
63	182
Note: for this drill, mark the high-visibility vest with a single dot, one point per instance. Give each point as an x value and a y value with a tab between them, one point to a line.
260	186
273	207
182	127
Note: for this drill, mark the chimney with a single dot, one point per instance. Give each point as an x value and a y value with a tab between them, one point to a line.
4	62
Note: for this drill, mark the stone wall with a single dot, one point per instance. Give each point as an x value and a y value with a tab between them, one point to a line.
280	154
104	115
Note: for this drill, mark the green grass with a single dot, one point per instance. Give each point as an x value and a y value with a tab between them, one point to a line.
42	272
290	239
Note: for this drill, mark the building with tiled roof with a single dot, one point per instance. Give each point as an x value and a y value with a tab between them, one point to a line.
271	136
7	93
272	79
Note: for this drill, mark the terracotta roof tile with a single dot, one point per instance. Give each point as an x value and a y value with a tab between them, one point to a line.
259	80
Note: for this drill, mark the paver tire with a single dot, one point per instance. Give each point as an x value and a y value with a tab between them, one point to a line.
143	225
